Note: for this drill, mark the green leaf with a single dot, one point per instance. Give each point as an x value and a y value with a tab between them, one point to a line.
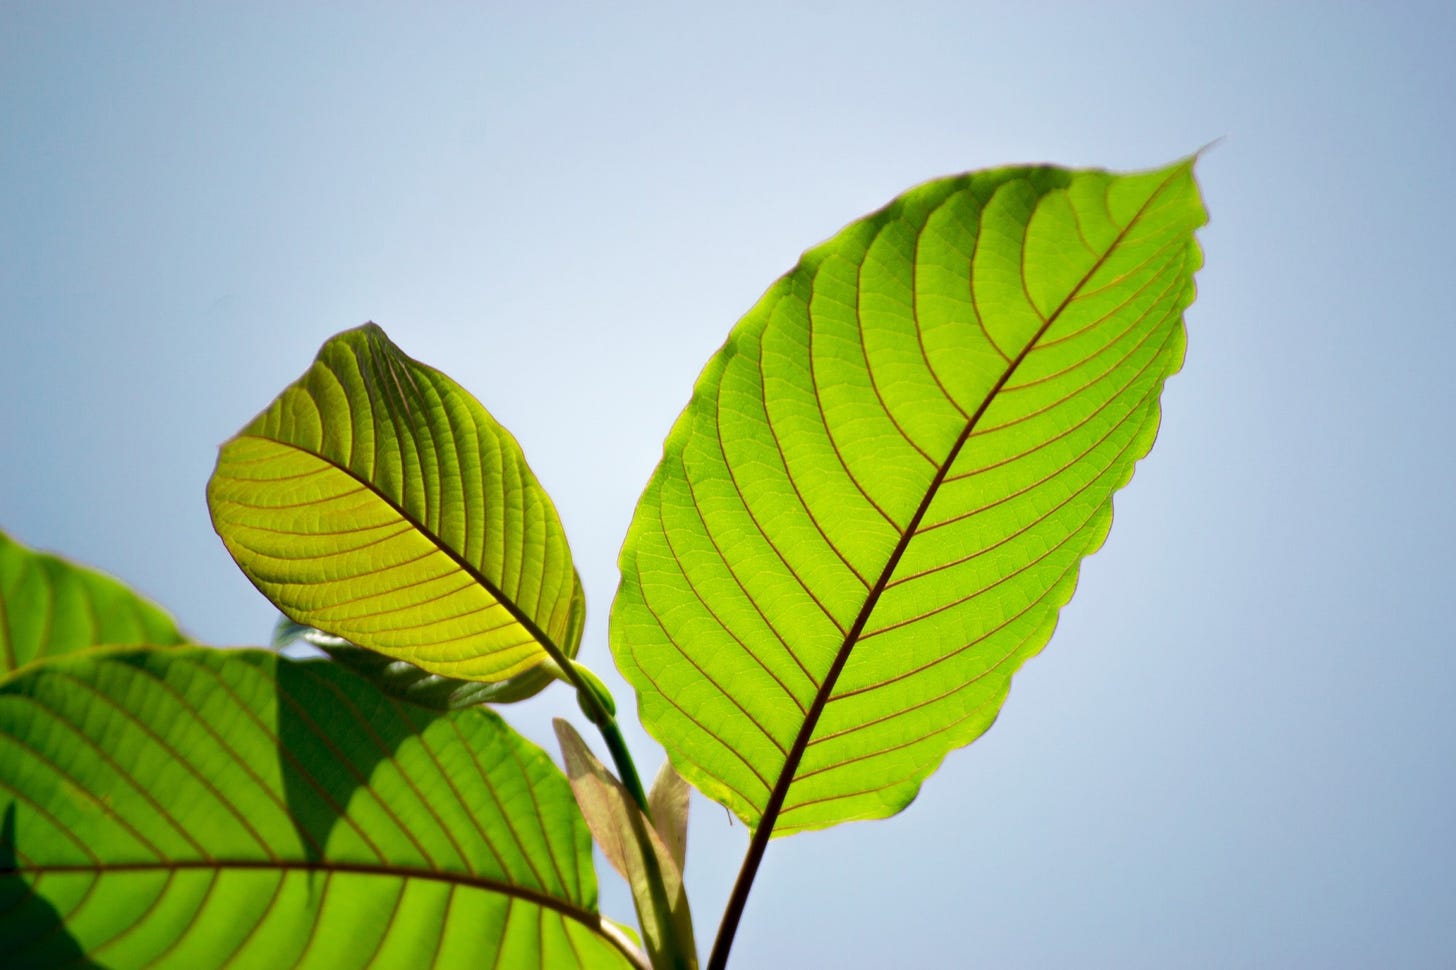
408	682
49	606
194	807
877	500
626	836
378	501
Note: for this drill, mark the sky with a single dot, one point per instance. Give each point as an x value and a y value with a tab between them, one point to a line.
1239	748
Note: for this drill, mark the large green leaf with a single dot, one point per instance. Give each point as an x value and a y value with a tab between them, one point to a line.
193	807
49	606
876	502
378	501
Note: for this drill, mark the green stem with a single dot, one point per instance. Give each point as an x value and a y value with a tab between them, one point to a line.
598	709
597	704
622	758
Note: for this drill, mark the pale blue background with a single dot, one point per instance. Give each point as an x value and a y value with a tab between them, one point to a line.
1238	749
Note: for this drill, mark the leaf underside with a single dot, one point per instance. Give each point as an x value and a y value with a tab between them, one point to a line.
194	807
669	803
877	500
378	501
626	836
404	680
49	607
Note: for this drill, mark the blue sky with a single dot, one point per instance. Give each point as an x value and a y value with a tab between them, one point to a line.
1237	750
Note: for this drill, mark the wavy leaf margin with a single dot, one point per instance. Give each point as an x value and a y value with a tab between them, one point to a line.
875	504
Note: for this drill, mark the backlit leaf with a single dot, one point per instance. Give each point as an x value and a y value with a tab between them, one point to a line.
378	501
669	801
192	808
49	606
877	500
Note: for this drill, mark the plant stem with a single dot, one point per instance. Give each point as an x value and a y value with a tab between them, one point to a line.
733	912
606	723
622	758
661	909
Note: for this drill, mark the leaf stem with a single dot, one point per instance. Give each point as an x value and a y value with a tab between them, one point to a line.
733	912
622	758
598	711
597	705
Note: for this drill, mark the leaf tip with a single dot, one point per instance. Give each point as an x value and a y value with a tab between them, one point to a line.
1207	147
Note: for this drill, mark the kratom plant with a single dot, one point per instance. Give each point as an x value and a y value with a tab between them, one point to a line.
867	518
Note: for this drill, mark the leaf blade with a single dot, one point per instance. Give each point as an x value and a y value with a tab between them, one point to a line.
875	504
187	805
380	502
49	607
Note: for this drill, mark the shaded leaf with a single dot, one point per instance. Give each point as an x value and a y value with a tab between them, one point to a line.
193	807
404	680
876	502
622	832
49	606
378	501
22	907
668	801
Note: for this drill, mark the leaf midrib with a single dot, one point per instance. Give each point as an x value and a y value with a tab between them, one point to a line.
779	794
532	629
785	779
587	917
